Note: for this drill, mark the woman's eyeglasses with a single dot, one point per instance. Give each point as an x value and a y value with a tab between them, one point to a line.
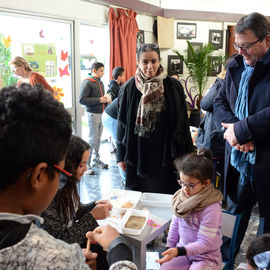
188	185
245	47
150	45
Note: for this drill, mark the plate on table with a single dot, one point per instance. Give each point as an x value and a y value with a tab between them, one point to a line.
123	199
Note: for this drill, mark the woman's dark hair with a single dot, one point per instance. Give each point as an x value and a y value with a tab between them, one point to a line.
96	66
34	128
68	197
259	245
256	22
148	47
196	165
117	71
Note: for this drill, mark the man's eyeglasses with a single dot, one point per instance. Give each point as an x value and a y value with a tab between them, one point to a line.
245	47
64	176
188	185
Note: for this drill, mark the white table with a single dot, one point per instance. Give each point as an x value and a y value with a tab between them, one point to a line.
149	233
161	216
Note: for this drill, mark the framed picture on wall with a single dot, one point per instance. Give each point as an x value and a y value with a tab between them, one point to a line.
175	65
216	38
186	30
215	64
140	39
195	45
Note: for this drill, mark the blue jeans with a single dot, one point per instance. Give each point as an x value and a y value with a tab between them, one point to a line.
240	200
110	124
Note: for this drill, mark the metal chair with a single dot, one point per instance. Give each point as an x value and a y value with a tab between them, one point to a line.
230	224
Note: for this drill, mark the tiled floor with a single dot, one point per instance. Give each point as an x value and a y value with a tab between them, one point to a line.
94	187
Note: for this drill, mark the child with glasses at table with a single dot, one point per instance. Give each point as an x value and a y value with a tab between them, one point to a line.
194	237
66	218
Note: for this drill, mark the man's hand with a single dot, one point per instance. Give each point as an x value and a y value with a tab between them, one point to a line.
90	257
122	165
229	134
245	147
168	255
104	235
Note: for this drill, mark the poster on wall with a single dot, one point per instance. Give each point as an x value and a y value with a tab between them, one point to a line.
41	57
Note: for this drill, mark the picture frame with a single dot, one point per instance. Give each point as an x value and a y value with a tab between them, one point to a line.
216	38
140	39
175	65
216	65
194	45
186	30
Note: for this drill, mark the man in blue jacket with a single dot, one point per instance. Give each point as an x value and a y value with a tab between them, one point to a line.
243	107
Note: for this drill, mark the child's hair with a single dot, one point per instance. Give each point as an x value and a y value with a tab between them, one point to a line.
259	245
68	197
117	71
96	66
34	128
19	61
196	165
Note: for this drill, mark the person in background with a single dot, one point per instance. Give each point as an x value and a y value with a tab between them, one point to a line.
153	127
66	218
258	254
242	106
209	129
109	120
119	77
22	69
175	75
92	95
210	133
194	237
40	144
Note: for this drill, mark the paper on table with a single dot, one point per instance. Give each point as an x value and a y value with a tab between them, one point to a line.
151	263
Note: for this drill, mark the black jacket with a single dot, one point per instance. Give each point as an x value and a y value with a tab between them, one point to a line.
176	132
114	88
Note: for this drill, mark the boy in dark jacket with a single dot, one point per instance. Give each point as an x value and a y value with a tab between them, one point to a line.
118	80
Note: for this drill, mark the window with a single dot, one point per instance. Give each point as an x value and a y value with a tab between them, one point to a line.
45	43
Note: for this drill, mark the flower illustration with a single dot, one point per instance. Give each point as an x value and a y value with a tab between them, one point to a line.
58	93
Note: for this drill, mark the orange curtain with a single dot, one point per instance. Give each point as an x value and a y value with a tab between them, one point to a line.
123	38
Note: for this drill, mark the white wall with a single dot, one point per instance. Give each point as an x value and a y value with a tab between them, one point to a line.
201	36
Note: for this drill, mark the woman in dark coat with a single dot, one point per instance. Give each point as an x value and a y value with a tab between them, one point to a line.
153	126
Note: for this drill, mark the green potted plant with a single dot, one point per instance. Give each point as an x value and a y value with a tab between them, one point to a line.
199	66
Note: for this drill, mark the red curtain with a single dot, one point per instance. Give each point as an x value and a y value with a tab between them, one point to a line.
123	38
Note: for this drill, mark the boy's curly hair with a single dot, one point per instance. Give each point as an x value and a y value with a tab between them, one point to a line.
34	128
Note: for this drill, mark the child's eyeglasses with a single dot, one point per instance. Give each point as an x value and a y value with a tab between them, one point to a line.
188	185
64	176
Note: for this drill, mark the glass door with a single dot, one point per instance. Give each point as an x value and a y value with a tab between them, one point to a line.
94	46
